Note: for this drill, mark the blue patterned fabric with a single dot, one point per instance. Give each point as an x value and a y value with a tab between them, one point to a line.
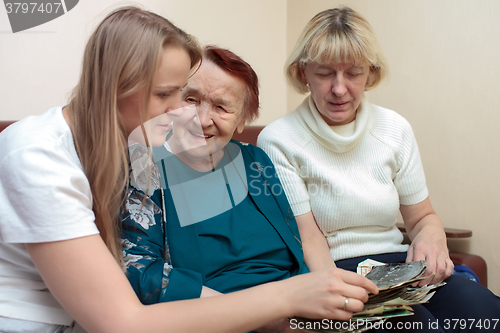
466	272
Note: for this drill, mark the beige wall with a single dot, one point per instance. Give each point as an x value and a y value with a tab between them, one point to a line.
444	78
40	66
253	29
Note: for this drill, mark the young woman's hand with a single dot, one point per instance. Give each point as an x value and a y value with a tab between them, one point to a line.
333	294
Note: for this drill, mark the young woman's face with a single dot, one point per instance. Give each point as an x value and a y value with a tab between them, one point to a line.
336	89
164	101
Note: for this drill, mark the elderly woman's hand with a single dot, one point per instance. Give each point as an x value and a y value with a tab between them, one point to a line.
428	241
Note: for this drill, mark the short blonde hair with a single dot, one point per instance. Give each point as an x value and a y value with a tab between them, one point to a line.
338	35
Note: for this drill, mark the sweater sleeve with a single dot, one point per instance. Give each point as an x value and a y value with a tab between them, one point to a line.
410	177
146	254
281	152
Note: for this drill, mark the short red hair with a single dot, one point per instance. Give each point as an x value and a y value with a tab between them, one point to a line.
234	65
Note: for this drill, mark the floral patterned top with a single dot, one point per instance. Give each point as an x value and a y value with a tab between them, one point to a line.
140	215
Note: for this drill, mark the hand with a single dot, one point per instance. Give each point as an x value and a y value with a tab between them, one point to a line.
323	294
430	245
428	241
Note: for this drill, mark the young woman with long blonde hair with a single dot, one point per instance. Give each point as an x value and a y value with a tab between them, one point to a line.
63	174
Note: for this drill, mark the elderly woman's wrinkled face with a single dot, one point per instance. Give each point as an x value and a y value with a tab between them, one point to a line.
336	89
218	100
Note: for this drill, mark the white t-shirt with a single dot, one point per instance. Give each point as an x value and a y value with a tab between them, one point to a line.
44	197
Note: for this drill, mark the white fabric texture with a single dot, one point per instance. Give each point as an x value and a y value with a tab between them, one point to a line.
353	184
10	325
44	197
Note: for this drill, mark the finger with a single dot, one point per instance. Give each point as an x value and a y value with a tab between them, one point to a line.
430	272
359	280
351	305
445	271
337	311
440	270
424	254
356	293
418	255
450	266
431	266
409	254
344	289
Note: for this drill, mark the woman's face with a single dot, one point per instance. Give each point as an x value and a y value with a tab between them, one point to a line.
336	89
216	100
164	101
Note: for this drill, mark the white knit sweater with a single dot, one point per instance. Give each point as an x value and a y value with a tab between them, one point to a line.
353	185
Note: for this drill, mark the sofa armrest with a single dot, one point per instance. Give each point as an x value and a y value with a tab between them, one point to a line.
450	232
249	134
5	123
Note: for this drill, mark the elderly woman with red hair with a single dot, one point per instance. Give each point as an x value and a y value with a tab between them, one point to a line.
219	221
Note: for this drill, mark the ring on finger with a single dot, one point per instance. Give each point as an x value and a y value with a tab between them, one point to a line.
345	303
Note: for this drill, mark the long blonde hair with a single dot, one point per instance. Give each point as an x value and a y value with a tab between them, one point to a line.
121	57
337	35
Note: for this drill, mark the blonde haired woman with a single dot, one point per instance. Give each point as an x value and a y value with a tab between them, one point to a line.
349	166
63	177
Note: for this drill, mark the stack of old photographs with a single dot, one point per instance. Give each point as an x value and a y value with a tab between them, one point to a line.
395	297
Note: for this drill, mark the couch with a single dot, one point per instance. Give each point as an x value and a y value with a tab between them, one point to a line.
474	262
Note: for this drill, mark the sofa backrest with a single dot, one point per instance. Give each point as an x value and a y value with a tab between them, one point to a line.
249	134
5	123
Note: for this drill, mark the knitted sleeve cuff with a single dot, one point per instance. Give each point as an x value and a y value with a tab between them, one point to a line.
414	198
301	208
